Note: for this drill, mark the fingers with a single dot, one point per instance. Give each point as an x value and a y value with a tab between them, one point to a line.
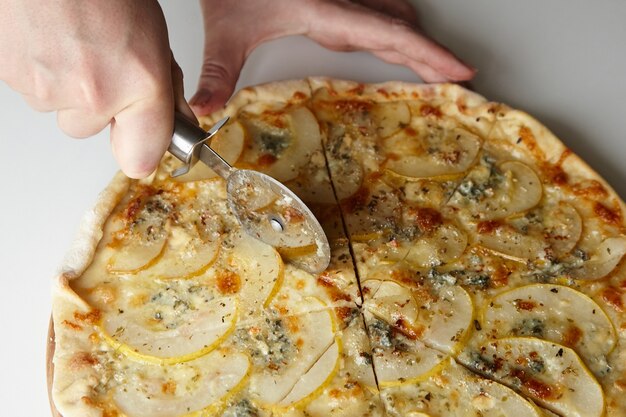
81	123
218	77
179	91
333	26
38	104
141	133
425	72
400	9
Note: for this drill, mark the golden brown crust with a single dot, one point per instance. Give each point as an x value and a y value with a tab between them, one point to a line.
66	385
535	143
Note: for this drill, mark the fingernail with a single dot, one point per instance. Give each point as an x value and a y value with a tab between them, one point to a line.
201	99
138	173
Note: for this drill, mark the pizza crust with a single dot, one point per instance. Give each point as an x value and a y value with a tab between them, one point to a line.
66	393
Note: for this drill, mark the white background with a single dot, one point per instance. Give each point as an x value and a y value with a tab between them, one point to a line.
563	61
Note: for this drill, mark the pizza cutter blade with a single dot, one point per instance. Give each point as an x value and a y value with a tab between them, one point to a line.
266	209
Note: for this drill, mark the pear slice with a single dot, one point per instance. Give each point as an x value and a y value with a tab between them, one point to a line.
457	392
448	319
189	387
550	374
145	339
290	142
347	177
417	363
313	382
555	313
186	255
510	243
313	333
554	228
391	302
494	193
603	260
357	354
563	227
390	117
442	152
440	320
399	359
371	212
136	255
228	143
139	243
260	268
443	245
490	399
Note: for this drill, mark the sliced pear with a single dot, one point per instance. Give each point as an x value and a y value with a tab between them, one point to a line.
392	302
260	269
347	177
550	374
140	243
313	189
563	227
491	193
557	226
399	359
423	192
228	143
371	212
490	399
442	246
357	354
313	333
136	255
313	382
417	363
390	117
443	319
290	144
441	151
328	107
507	241
448	319
189	387
185	255
457	392
548	413
313	184
143	338
555	313
253	197
603	260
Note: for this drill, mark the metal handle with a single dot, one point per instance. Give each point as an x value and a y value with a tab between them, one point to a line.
188	142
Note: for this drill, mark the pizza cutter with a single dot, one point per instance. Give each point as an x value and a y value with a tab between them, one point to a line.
266	208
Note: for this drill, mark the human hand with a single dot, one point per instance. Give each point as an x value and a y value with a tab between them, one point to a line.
386	28
96	63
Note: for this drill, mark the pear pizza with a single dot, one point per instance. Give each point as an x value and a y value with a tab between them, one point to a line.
477	270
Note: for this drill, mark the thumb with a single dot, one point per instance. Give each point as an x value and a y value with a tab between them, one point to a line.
220	71
141	133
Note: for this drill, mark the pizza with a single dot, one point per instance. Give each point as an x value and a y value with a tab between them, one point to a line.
477	270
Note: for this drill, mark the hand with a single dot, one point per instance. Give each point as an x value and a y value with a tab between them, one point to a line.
386	28
96	63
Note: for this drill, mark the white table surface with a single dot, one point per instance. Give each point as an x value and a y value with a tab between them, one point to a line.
563	61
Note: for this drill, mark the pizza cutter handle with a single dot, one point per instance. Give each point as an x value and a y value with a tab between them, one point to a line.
189	144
